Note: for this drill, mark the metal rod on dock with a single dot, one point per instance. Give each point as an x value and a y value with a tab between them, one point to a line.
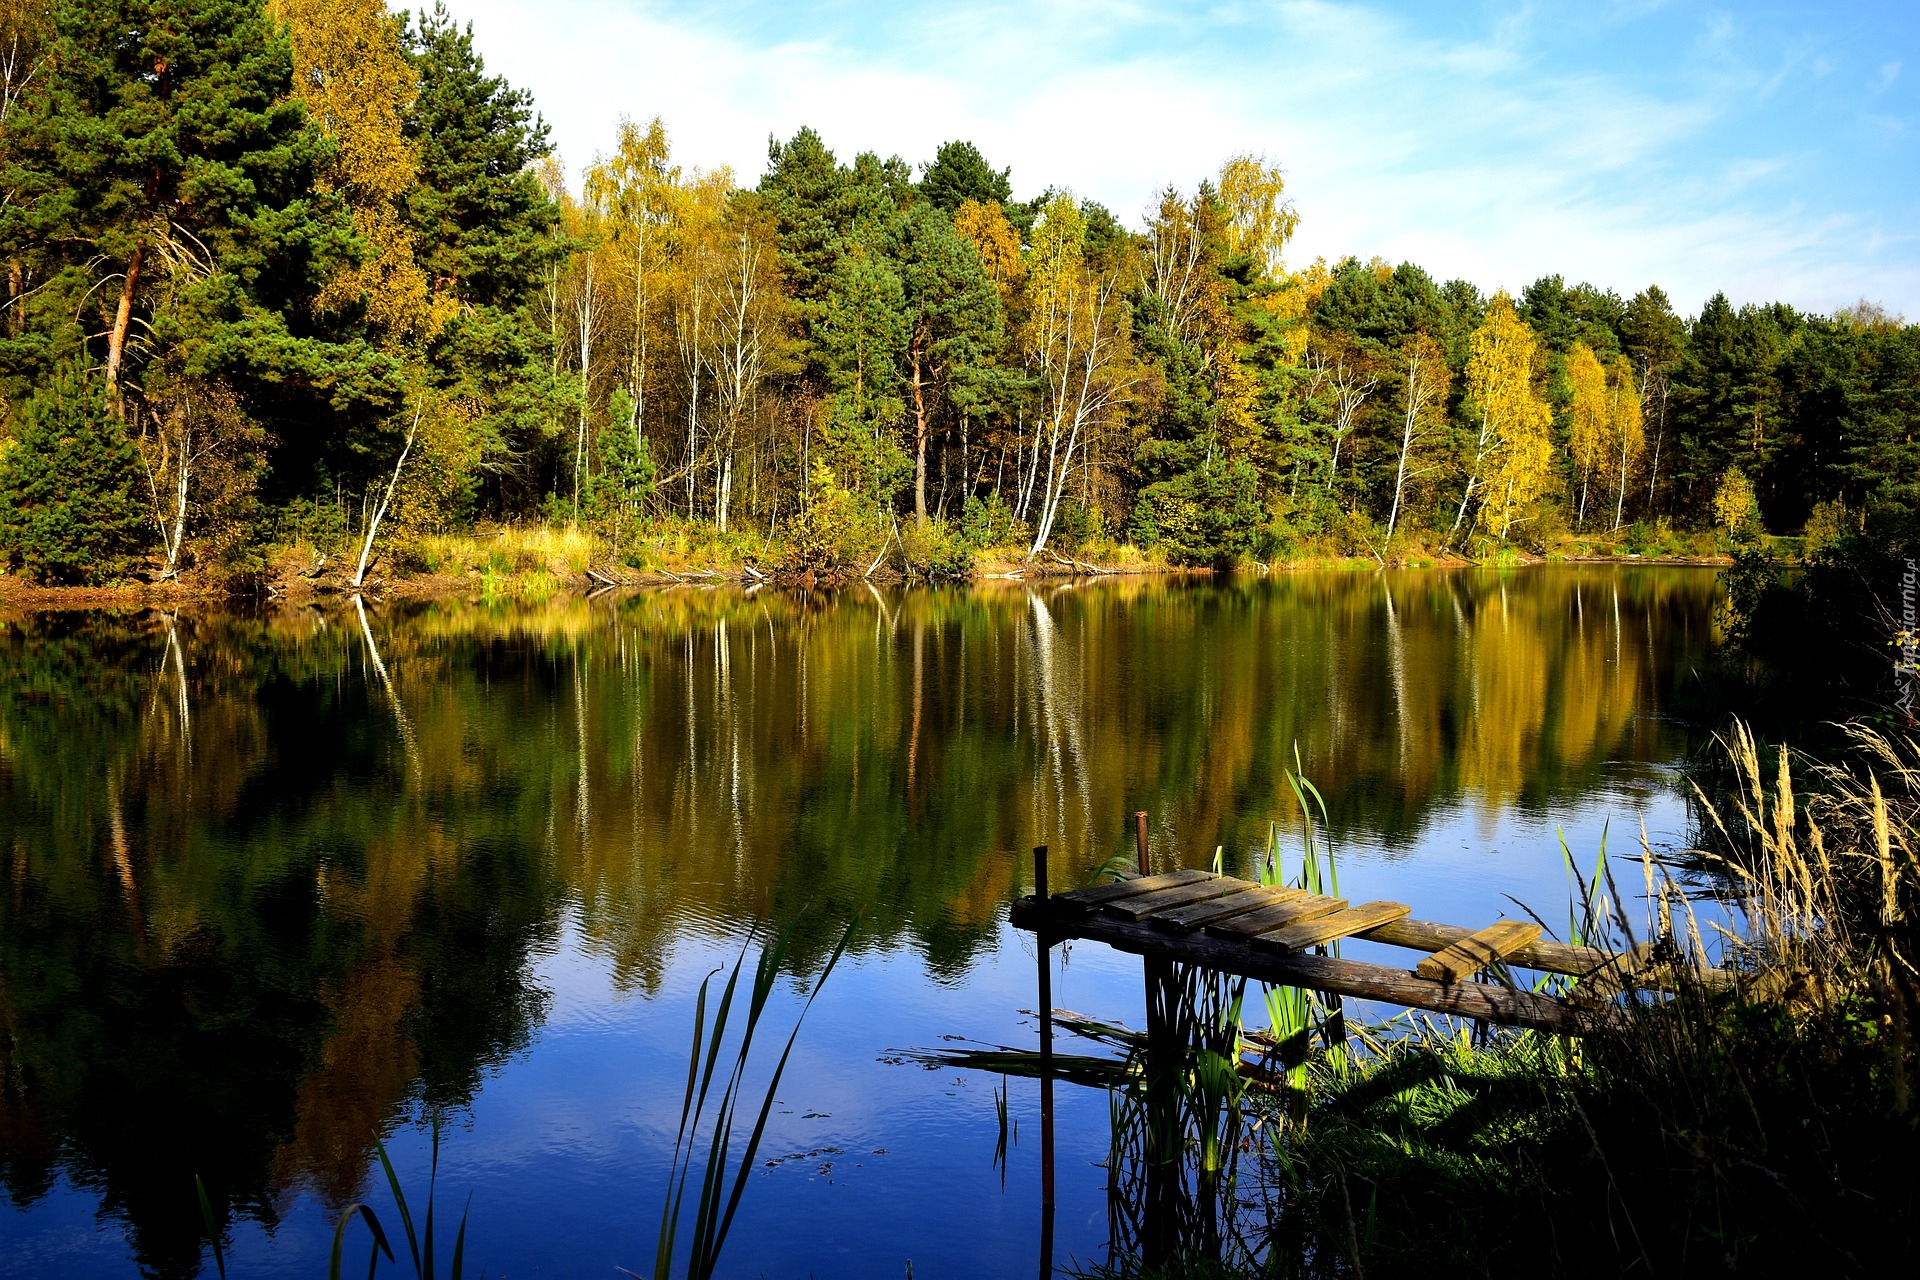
1045	939
1140	838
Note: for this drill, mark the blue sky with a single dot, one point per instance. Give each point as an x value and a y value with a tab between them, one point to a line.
1770	150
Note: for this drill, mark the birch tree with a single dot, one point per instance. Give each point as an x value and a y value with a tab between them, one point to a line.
1626	427
1512	451
1590	417
1423	409
201	458
750	340
1259	218
1350	383
1077	344
699	280
635	190
1179	269
1513	456
350	67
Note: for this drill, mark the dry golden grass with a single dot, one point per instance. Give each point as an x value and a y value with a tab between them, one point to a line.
513	550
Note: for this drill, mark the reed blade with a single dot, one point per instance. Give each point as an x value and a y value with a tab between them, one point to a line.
380	1244
400	1202
213	1232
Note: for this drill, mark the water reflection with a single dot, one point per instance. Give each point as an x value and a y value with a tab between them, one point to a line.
275	880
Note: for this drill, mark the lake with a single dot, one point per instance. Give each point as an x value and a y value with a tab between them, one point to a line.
283	884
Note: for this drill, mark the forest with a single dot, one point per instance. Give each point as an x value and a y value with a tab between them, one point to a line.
299	277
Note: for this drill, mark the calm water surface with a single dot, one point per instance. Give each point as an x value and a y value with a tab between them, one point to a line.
279	886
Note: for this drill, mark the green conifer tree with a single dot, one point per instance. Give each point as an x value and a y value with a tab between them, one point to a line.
162	195
70	514
487	234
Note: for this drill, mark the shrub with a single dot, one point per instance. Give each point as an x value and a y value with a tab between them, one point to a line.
1544	530
935	550
990	522
1735	509
1354	533
838	531
70	512
1828	523
1208	516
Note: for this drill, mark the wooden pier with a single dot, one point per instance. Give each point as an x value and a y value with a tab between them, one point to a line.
1196	920
1270	934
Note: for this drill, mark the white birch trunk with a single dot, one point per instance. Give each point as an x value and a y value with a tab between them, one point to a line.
386	504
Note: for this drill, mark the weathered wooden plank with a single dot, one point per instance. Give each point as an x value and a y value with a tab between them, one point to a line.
1308	906
1252	898
1341	924
1545	955
1213	887
1477	950
1099	894
1490	1002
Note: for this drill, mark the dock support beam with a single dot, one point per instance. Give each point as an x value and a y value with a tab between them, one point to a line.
1044	937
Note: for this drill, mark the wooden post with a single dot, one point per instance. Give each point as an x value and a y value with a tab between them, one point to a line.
1140	839
1161	1150
1045	939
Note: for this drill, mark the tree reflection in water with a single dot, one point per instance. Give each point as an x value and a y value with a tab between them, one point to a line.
275	881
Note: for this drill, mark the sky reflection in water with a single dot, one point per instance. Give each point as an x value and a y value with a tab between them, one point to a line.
278	885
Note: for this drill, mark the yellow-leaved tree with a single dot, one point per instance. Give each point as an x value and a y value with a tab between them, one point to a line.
1513	454
1589	417
999	244
1260	218
1735	508
697	289
1626	428
351	69
636	190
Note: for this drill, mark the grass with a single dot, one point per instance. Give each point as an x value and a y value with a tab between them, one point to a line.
503	554
536	561
1650	539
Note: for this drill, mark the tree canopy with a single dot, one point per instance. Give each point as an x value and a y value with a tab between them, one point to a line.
288	238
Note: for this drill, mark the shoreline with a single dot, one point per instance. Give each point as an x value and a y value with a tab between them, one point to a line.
18	595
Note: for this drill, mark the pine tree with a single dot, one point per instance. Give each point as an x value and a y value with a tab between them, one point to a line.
959	173
70	514
954	323
487	234
163	194
482	225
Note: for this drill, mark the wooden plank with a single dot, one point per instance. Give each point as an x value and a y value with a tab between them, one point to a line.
1489	1002
1478	950
1544	955
1308	906
1099	894
1252	899
1210	889
1341	924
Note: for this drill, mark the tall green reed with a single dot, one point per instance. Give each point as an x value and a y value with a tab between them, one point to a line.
722	1182
420	1242
1290	1010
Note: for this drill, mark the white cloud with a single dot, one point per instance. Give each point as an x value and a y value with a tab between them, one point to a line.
1469	156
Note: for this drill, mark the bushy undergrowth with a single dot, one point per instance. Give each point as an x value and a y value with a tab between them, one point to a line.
839	534
1721	1136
